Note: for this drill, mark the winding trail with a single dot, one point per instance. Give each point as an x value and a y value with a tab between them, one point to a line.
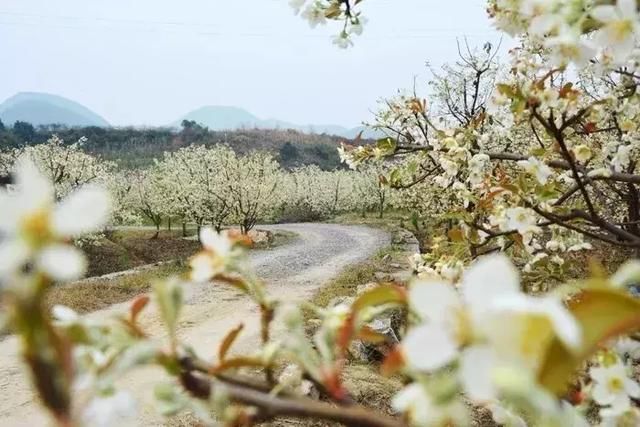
292	273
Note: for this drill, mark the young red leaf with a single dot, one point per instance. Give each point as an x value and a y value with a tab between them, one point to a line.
137	306
228	341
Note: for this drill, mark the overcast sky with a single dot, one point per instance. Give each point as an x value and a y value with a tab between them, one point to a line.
148	62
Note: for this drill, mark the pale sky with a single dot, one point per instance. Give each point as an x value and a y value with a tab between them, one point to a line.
148	62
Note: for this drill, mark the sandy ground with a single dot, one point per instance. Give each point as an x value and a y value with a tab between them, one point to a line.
291	272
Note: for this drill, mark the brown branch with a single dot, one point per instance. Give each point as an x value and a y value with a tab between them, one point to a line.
195	381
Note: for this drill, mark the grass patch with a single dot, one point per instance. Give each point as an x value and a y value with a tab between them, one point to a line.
91	295
390	222
347	282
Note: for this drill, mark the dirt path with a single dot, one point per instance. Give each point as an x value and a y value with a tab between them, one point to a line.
292	272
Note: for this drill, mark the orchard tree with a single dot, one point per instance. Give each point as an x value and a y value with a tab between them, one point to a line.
323	193
253	184
149	195
124	199
371	188
67	166
196	185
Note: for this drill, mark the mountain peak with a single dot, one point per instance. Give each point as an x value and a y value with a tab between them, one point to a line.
223	117
40	108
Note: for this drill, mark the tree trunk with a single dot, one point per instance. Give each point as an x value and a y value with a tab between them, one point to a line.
382	200
169	224
184	229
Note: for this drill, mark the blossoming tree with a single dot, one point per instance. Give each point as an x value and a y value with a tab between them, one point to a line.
473	335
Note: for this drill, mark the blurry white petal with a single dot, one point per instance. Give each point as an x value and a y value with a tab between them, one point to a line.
476	370
13	255
487	278
35	190
108	411
10	213
604	13
202	268
65	314
218	243
433	301
62	263
83	211
632	388
601	394
429	347
564	324
414	401
627	274
628	8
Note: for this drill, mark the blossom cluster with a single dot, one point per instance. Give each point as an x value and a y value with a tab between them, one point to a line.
318	12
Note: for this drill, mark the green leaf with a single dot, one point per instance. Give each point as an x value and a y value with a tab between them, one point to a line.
385	294
386	144
603	313
169	297
506	90
538	152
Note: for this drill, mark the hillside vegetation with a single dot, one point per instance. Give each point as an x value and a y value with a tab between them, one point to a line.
133	148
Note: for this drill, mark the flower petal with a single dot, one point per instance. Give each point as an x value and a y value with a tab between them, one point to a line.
487	278
83	211
62	263
628	9
35	190
564	324
606	13
202	268
632	388
429	347
10	214
476	370
13	255
218	243
433	300
64	314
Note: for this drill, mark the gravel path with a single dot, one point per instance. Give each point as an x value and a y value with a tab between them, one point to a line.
292	273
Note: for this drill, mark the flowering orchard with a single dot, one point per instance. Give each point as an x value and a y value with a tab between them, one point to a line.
526	164
207	186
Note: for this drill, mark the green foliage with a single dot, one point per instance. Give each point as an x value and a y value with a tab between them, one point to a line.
603	314
134	148
25	132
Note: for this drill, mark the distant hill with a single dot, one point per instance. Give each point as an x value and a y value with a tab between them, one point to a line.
46	109
218	117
